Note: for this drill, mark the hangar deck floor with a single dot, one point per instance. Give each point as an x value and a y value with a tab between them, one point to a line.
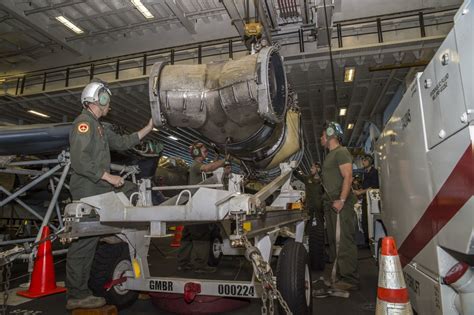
163	262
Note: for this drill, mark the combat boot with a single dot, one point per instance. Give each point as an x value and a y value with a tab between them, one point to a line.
87	302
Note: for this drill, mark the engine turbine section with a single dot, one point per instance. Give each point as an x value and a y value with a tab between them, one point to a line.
239	105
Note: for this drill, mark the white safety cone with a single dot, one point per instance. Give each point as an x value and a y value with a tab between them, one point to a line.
392	293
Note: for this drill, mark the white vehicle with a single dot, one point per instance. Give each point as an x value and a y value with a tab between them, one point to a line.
426	166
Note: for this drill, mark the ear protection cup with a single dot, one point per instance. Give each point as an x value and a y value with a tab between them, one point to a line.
104	98
195	149
369	158
333	129
330	131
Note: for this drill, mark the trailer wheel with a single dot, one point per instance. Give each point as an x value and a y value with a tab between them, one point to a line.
215	250
316	244
110	262
294	278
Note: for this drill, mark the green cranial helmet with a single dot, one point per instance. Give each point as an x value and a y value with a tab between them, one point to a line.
333	129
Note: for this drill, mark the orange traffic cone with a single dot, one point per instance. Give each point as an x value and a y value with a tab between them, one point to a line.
178	234
43	279
392	293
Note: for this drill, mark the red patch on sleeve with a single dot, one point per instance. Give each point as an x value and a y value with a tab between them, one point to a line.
83	127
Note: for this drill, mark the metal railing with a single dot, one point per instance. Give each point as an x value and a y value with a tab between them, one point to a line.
226	47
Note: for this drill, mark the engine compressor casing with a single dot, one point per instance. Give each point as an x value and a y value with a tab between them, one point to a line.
237	104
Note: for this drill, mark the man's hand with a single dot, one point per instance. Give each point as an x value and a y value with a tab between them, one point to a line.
337	205
113	180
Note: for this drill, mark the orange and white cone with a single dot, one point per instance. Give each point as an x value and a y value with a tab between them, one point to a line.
392	293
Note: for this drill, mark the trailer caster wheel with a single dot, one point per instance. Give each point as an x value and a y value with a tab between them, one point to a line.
215	250
294	278
111	261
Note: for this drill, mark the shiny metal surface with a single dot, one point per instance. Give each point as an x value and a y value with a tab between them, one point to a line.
239	105
425	157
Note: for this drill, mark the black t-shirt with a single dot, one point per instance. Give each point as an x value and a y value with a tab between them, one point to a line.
371	179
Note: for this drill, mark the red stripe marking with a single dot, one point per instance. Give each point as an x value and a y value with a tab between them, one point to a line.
393	295
454	193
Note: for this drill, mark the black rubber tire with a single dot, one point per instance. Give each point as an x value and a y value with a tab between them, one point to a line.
290	273
316	244
107	257
214	260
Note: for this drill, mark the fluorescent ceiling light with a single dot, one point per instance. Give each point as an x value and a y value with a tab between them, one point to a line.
350	126
143	10
38	113
69	24
173	138
349	74
154	129
342	111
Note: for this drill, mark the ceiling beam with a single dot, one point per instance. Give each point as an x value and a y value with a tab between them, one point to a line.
159	21
359	121
408	45
35	24
235	17
173	5
383	93
53	7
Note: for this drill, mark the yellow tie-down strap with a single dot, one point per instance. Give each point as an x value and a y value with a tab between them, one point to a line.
291	144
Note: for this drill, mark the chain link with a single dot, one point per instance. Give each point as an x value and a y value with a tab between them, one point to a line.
265	275
264	302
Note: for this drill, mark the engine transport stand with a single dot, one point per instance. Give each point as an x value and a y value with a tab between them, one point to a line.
249	227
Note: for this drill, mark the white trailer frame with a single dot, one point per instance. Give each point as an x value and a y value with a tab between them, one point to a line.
113	214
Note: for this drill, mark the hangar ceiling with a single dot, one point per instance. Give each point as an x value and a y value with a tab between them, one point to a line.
44	65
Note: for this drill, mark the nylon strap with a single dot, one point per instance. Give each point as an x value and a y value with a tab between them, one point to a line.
338	239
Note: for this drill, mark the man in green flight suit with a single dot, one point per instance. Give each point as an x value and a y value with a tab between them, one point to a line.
313	190
194	251
227	174
338	200
90	144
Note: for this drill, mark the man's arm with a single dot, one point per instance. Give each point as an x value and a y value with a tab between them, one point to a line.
80	145
346	173
211	167
82	159
125	142
145	130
